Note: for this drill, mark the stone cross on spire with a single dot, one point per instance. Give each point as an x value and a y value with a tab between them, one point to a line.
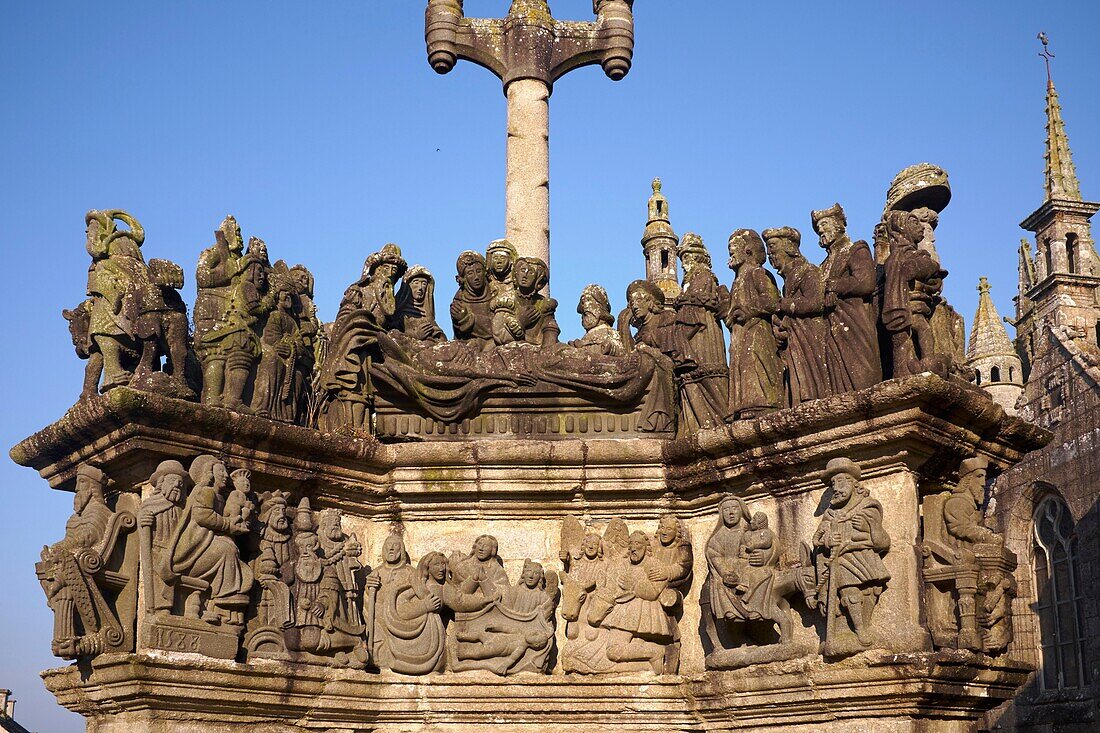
1061	180
529	50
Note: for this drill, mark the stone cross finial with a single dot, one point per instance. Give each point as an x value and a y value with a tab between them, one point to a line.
529	50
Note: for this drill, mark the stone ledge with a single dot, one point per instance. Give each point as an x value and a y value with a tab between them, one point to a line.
157	691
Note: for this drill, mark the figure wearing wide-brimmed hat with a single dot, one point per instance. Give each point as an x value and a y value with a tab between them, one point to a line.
849	544
850	283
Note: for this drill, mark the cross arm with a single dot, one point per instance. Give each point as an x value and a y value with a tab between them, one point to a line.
608	42
450	36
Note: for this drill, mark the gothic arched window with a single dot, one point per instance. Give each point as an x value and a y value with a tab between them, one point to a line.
1058	592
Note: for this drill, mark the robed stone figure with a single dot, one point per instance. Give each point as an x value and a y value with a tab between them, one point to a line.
850	282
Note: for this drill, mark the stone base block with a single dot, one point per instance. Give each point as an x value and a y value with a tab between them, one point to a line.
162	692
179	634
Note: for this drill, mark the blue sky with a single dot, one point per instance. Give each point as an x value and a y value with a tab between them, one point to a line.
322	128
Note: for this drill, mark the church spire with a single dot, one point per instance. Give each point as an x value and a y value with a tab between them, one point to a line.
1061	179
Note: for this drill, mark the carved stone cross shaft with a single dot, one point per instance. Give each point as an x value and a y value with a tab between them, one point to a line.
529	50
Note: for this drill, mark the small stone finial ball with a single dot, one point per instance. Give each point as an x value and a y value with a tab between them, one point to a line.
442	61
616	67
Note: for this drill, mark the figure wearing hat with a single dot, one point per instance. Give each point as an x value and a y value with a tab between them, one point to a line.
800	317
703	374
157	519
962	512
366	309
849	545
850	283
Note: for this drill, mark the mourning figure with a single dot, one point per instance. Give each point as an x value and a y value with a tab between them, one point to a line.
497	627
756	373
968	573
157	521
655	337
80	575
534	310
799	320
849	274
408	635
367	307
471	317
906	300
414	311
849	545
600	336
500	258
701	368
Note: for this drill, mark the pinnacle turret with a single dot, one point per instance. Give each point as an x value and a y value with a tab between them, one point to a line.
1061	178
991	356
659	245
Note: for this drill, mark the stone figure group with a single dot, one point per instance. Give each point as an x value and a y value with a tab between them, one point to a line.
258	346
622	595
229	571
132	329
257	334
745	600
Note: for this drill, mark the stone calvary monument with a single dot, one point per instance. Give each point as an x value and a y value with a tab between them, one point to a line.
733	506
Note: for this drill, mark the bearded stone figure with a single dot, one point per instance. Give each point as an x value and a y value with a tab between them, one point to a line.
849	545
408	635
160	514
203	546
92	614
850	280
366	309
600	336
799	321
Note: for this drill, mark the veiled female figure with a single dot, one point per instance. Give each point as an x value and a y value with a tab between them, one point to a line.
408	630
756	373
414	313
703	376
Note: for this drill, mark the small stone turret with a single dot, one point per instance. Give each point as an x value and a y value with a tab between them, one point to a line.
659	245
991	356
